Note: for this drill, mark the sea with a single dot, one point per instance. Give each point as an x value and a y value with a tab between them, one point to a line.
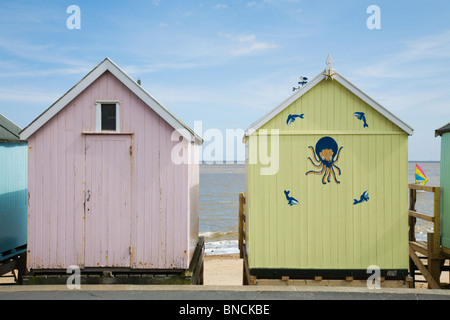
220	185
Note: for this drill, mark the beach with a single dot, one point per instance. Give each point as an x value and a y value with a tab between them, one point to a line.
223	270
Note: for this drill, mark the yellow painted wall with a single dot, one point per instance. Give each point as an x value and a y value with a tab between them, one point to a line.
326	230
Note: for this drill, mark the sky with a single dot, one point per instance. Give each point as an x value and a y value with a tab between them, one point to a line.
227	63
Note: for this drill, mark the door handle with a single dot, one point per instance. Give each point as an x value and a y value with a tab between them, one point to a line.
89	196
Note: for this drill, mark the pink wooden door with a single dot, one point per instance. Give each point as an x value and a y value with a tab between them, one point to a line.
108	201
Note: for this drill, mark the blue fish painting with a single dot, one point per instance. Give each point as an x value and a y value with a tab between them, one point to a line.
292	118
364	197
361	116
291	200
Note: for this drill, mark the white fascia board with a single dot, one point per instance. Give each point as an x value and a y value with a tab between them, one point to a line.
170	118
258	124
63	101
371	102
108	65
347	84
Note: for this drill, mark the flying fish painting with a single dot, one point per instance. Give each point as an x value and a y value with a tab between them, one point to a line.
364	197
361	116
291	201
292	118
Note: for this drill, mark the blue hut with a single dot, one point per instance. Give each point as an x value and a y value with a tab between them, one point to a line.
13	190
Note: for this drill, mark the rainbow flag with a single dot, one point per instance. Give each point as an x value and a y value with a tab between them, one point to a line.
421	178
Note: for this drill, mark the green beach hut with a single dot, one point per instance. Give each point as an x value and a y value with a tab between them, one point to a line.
444	133
327	185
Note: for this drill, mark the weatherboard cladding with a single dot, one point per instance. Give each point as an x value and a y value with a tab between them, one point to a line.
328	229
138	90
345	83
85	210
444	132
13	189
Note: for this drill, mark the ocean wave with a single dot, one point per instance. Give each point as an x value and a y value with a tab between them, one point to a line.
211	236
221	242
222	247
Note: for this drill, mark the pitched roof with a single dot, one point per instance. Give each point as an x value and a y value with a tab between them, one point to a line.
108	65
9	131
444	129
336	76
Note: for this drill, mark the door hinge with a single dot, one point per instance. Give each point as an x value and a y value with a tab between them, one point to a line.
131	150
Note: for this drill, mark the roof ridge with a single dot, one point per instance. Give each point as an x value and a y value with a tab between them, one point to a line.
108	65
329	74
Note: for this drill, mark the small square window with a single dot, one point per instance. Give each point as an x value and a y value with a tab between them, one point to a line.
109	117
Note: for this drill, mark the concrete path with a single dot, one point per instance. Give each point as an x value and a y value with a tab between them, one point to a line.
205	293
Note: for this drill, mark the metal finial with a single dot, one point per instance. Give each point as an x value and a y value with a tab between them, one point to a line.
329	71
329	62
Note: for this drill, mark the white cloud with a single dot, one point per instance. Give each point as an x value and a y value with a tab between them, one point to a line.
280	1
246	38
422	57
40	53
221	6
41	96
245	44
252	47
158	67
28	72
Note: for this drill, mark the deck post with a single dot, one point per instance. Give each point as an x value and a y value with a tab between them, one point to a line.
241	223
412	220
434	263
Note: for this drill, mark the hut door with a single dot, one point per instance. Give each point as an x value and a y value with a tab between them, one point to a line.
108	201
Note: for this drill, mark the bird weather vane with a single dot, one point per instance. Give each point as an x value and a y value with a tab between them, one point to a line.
303	81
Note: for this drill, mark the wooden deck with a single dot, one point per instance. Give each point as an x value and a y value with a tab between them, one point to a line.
430	250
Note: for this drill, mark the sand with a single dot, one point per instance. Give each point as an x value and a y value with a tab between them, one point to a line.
223	270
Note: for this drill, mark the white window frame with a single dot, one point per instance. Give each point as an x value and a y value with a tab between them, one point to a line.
98	119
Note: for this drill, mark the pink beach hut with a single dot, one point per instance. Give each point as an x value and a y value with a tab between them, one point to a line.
104	190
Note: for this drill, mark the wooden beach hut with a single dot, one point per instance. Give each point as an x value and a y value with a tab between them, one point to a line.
327	186
13	191
104	189
444	133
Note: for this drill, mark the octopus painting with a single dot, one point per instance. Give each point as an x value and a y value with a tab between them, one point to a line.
326	155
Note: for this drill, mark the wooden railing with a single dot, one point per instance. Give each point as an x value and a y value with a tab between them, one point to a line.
242	221
431	249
